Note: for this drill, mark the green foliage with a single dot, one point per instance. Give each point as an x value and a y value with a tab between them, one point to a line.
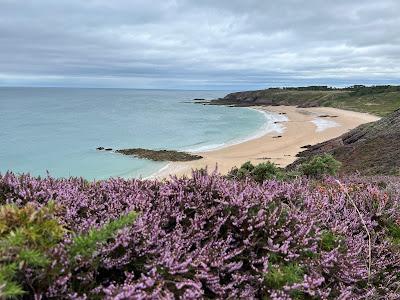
274	258
259	173
248	166
26	235
394	232
266	170
8	287
280	275
86	244
329	240
319	165
292	174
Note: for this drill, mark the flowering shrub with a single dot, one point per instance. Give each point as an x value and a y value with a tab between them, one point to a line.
211	237
28	234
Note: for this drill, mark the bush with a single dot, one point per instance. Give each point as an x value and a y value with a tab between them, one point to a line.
259	173
320	165
266	170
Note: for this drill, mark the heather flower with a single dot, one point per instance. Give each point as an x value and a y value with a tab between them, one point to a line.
212	237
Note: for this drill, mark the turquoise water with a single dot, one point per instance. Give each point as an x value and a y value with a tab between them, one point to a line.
58	129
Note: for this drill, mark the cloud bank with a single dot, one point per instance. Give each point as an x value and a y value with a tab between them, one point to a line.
198	44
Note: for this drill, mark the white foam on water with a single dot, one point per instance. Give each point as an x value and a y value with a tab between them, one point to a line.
269	126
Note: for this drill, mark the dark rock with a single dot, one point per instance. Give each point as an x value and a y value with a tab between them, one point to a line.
100	148
276	136
108	149
327	116
159	155
305	146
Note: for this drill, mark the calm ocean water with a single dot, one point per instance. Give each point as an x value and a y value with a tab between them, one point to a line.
58	129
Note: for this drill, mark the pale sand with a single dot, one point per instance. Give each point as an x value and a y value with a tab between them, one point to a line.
299	131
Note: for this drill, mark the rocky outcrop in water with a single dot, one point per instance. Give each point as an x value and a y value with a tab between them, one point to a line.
159	155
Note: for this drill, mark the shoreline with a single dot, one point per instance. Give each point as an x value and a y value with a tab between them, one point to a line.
304	126
269	119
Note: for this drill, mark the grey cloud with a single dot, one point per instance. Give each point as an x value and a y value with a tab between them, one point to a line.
207	44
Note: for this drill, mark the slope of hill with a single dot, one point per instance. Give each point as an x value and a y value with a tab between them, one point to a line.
378	100
372	148
204	237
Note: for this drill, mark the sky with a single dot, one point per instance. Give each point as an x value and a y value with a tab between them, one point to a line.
199	44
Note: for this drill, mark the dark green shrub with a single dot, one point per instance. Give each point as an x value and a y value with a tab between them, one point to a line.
266	170
241	173
259	173
320	165
247	166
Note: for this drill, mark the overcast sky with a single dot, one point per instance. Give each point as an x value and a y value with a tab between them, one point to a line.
203	44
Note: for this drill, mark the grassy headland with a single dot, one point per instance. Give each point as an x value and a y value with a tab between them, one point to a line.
377	100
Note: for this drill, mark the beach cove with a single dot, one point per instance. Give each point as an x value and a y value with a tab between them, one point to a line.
302	127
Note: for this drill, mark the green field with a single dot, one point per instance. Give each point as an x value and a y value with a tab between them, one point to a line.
378	100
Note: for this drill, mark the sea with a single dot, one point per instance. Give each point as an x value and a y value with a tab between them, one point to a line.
55	131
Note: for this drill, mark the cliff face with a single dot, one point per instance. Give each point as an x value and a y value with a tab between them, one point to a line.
370	149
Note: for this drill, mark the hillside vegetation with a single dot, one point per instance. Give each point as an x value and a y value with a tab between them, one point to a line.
377	100
370	149
207	237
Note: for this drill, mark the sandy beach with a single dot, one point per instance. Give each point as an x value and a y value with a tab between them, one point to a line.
304	126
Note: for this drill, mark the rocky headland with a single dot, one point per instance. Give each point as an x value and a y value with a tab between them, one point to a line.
156	155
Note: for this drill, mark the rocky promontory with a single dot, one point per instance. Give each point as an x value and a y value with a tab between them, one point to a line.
157	155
